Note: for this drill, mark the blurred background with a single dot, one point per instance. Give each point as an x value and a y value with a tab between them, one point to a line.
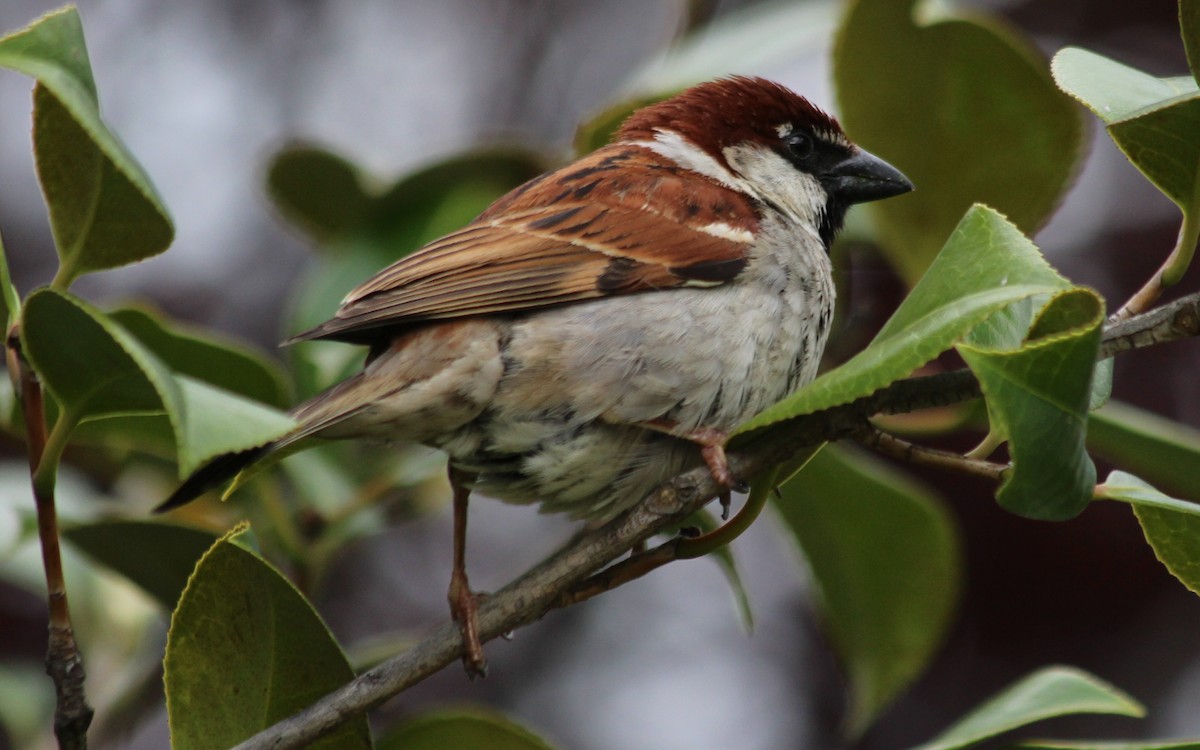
205	93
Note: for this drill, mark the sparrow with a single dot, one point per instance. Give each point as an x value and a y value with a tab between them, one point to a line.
602	327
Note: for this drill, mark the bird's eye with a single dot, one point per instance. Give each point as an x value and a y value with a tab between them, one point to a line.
799	145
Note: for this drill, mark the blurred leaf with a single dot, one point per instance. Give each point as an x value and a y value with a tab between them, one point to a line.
1037	397
1103	745
9	297
26	702
1153	120
104	210
105	371
1189	26
966	109
1149	445
886	558
987	265
1172	527
1050	692
759	36
706	522
319	191
246	650
158	557
224	364
599	129
336	200
461	729
391	223
1102	382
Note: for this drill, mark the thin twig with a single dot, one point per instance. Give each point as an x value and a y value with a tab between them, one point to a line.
1174	266
1171	322
72	714
920	455
549	584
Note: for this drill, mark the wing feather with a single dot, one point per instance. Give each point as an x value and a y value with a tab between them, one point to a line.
532	249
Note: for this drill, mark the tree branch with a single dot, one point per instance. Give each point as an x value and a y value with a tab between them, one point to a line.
556	581
64	664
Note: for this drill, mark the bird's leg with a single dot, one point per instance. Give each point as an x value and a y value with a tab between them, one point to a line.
712	450
463	601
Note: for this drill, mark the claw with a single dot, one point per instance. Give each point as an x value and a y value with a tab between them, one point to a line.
464	605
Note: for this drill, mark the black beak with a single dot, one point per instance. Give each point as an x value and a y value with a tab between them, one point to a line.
863	177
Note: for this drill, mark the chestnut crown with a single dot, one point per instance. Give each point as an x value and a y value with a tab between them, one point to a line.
729	111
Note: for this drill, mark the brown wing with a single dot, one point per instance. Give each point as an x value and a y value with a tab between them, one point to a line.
537	247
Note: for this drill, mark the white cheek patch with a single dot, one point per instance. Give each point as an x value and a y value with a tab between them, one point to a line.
775	180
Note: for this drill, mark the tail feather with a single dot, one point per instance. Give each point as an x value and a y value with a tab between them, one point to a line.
315	415
212	475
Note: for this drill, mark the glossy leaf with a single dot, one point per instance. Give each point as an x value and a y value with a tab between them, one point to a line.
463	728
104	211
1050	692
246	650
1152	120
158	557
1171	526
1148	445
1038	396
885	556
224	364
986	266
967	110
105	372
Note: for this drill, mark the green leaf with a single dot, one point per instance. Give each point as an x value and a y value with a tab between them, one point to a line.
9	297
333	199
1172	527
1148	445
1004	135
224	364
885	556
760	36
246	650
1050	692
104	211
986	266
105	371
1154	121
463	728
318	190
1098	745
363	234
1189	26
158	557
707	522
599	129
1038	397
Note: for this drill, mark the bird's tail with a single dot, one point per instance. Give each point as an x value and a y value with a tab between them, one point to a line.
315	415
212	475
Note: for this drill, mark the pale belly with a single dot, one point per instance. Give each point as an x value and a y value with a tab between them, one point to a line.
562	427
